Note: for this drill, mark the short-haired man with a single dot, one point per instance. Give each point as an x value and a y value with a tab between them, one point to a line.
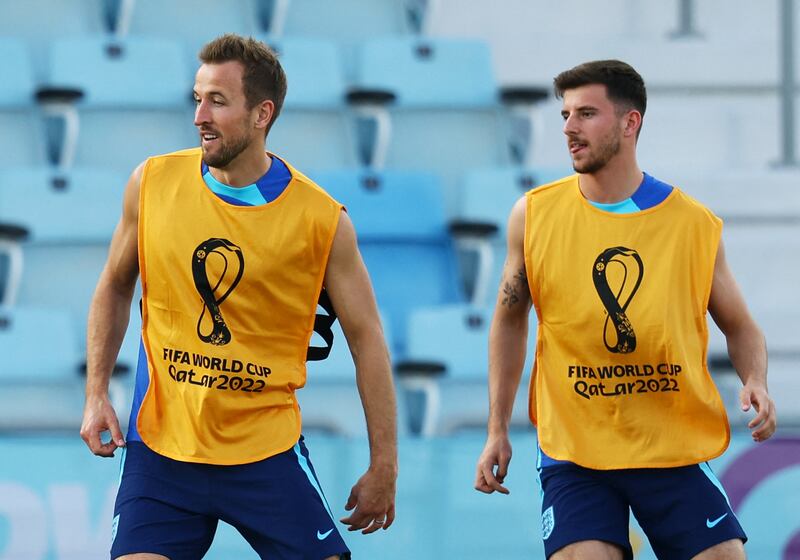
235	249
621	269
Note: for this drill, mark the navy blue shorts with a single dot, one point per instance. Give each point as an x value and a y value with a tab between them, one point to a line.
682	510
172	507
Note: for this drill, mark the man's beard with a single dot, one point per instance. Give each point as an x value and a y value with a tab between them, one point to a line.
608	149
228	151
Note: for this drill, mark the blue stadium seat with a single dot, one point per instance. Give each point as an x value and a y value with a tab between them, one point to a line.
330	400
484	204
70	217
135	73
430	73
82	205
456	339
18	85
193	23
313	127
42	388
21	142
313	70
37	345
346	22
37	22
136	98
400	223
446	113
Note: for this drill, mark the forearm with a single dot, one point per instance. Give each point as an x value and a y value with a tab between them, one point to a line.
747	350
376	387
507	339
108	319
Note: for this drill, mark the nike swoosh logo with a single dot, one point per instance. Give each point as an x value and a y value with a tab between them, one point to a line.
714	523
323	536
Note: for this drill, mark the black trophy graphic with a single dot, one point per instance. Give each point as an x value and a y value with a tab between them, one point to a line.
618	256
220	334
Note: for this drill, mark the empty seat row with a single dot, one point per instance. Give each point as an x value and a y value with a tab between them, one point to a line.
113	103
343	22
145	71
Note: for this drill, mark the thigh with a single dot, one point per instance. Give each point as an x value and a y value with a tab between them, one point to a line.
578	505
728	550
589	550
683	511
278	506
156	511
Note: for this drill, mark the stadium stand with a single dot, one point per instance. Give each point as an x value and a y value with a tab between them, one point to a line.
438	90
70	217
408	252
333	380
190	23
337	22
314	129
21	142
38	22
131	96
447	361
484	202
40	366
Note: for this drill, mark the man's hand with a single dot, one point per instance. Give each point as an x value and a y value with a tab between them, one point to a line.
98	417
372	501
765	422
496	453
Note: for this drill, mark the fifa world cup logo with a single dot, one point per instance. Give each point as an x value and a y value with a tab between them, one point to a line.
211	257
623	268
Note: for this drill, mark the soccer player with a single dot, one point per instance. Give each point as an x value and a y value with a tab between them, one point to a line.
621	269
235	249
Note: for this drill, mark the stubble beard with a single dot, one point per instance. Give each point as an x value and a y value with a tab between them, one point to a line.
608	148
228	151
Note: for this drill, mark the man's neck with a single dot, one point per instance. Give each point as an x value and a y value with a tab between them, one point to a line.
615	182
244	170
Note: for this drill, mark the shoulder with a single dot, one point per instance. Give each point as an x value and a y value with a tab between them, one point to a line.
553	187
179	155
552	190
310	187
694	209
189	158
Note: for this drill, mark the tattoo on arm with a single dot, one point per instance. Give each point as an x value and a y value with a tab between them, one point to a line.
522	278
510	289
511	296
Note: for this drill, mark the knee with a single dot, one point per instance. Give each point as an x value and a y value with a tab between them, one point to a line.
728	550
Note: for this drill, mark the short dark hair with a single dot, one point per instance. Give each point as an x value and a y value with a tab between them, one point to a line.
624	85
263	77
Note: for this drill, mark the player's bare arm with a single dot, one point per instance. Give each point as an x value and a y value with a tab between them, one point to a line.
108	320
507	339
372	499
746	346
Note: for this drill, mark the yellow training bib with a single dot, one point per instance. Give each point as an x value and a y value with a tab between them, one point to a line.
229	298
620	378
